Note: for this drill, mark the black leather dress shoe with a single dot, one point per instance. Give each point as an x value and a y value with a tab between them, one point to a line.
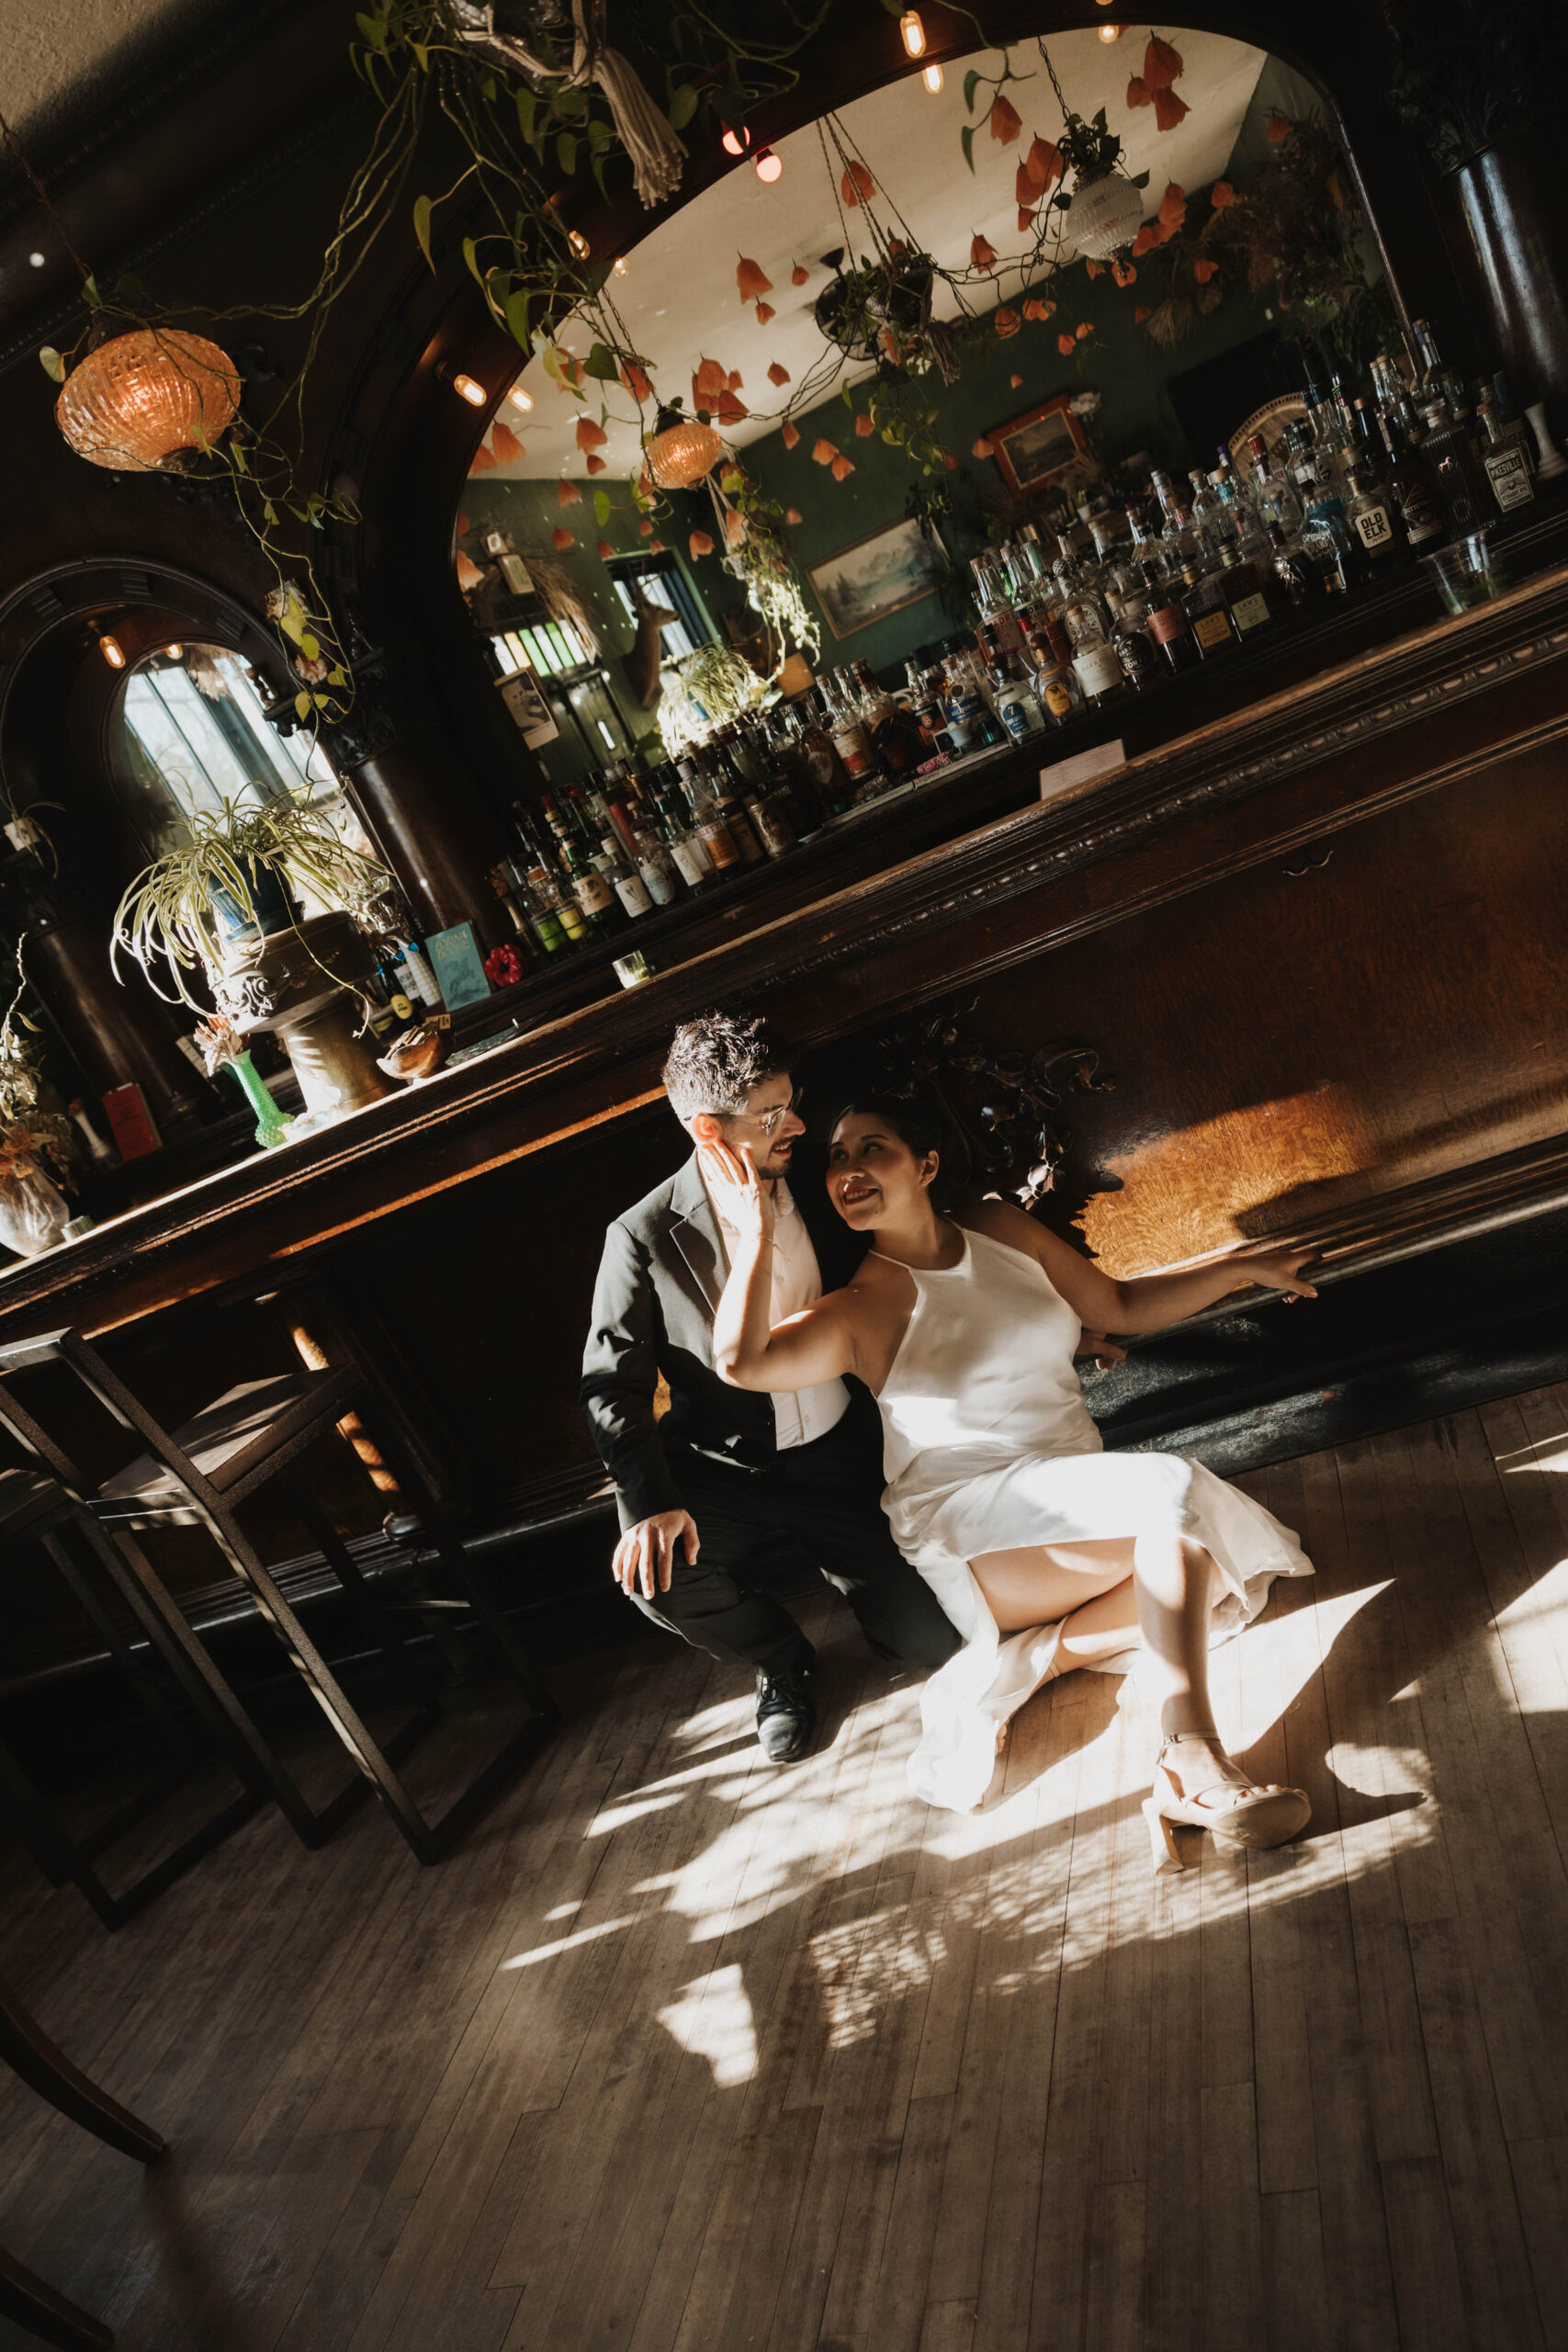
786	1714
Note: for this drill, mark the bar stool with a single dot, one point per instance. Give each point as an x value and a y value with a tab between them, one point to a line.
36	1511
197	1476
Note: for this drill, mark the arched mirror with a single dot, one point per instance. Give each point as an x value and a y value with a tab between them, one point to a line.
985	303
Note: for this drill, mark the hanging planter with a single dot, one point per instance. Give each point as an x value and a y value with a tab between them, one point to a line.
860	307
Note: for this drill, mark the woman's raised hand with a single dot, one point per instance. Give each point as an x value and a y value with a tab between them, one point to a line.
1279	1269
736	1188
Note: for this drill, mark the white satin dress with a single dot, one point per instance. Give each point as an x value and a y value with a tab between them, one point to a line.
988	1445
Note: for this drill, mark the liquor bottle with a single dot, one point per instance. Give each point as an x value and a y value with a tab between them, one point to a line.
1056	682
1141	665
1014	701
994	596
732	810
545	920
1326	540
650	855
971	722
1506	452
1297	580
1274	494
1096	663
591	888
1392	394
1411	487
415	977
723	851
688	853
1251	591
543	881
1208	612
1433	380
1456	465
1374	517
1167	626
769	812
897	745
851	740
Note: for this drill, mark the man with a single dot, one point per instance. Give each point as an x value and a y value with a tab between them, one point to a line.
699	1491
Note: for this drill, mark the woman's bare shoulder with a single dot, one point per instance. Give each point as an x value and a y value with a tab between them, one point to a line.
1001	1221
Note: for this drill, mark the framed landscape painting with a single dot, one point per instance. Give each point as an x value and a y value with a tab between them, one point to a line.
1033	450
877	575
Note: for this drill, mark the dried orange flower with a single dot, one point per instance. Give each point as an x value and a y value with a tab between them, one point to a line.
857	187
777	374
794	515
824	453
604	550
1139	92
1162	63
790	432
1169	110
799	273
1015	381
864	428
1278	127
765	311
1173	206
982	254
1141	313
567	493
1046	163
1065	346
589	435
1005	120
841	467
750	281
594	464
561	539
700	545
982	448
635	381
1007	322
1203	270
1222	194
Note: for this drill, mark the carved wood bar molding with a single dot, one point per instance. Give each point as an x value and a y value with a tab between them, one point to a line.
1426	713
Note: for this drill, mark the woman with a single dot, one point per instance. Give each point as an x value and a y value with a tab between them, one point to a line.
1046	1552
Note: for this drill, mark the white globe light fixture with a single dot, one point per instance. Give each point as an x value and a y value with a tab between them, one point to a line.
1104	215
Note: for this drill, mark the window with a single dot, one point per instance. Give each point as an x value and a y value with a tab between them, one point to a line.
546	647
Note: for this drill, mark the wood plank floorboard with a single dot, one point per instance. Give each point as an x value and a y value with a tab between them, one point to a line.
682	2053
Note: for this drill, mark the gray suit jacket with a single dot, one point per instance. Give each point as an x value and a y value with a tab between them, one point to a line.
660	1282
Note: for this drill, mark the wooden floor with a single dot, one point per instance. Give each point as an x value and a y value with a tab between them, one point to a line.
683	2053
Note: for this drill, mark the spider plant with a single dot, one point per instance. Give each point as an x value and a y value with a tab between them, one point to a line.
187	905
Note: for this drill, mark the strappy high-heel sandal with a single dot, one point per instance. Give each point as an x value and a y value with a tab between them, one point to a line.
1259	1816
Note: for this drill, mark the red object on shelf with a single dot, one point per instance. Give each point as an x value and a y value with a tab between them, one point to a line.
131	1121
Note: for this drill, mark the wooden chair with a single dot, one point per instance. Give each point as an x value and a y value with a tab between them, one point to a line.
198	1475
37	1513
25	2297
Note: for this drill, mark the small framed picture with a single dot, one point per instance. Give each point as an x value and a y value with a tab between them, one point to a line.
877	575
1036	446
532	713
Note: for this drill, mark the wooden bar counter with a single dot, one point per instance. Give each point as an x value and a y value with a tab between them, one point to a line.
1315	937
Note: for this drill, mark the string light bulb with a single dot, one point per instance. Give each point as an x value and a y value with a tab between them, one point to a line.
174	653
1110	32
620	264
112	652
914	33
769	166
735	143
932	77
520	399
466	389
579	243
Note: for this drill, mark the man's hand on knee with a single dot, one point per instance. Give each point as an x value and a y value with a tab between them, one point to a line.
646	1554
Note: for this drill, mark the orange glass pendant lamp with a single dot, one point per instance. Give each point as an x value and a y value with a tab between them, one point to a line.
141	400
681	450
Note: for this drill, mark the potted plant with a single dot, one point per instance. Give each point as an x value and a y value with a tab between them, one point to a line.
233	880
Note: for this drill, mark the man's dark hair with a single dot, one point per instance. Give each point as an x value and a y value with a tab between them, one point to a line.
716	1060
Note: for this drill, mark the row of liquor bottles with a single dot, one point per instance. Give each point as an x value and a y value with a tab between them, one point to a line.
1131	594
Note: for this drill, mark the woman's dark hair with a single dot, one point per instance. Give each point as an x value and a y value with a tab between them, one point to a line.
919	1128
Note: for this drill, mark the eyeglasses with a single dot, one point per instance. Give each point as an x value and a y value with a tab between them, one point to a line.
769	1121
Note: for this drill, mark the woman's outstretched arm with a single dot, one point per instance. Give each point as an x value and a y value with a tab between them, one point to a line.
1152	1301
813	1345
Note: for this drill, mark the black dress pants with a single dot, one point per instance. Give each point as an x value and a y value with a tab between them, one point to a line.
829	1495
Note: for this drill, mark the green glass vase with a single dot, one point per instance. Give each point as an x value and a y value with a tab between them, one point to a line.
272	1128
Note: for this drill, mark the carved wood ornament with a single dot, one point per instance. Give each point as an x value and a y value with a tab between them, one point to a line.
1001	1114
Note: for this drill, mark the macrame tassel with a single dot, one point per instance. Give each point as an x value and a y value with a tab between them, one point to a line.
656	152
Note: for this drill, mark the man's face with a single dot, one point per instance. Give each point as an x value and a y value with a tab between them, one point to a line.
768	1124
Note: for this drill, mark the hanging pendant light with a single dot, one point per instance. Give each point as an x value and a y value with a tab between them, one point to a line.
1107	214
681	450
141	400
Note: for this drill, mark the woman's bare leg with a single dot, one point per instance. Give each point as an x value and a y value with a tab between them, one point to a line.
1159	1589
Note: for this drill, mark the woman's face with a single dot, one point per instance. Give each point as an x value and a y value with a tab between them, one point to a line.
874	1179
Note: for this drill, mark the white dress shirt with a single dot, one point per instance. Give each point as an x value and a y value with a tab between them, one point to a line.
799	1414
